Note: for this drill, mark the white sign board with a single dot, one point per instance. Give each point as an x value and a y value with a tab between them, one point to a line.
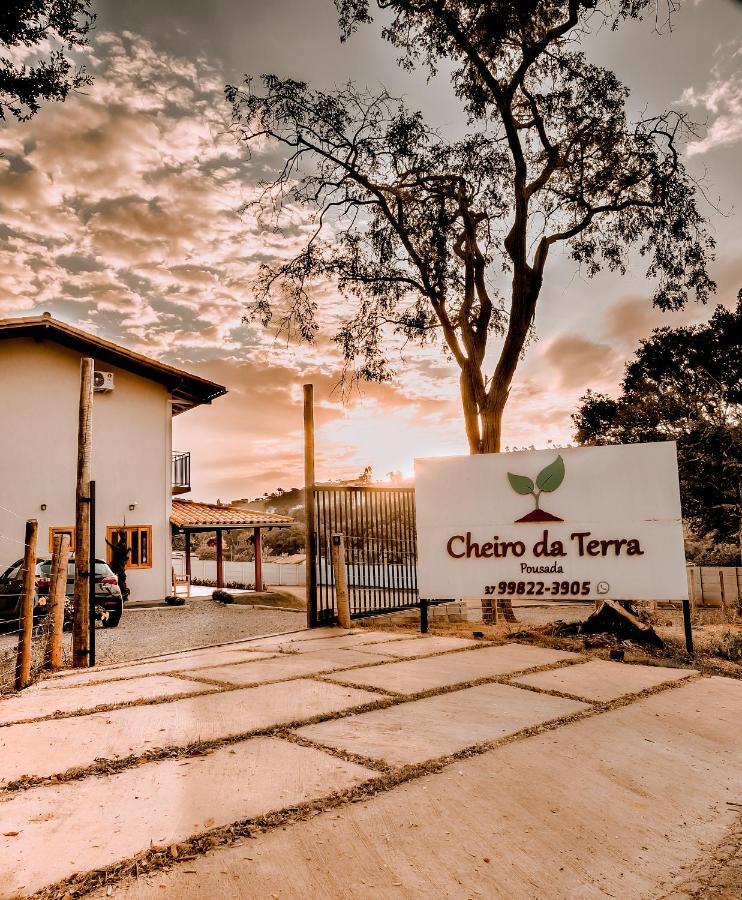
586	522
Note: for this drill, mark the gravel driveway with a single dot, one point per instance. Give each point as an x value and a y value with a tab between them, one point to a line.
150	631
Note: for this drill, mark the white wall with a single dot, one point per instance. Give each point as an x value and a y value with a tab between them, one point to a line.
131	462
274	574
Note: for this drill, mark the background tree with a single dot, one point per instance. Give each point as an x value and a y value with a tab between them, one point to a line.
414	228
685	384
36	37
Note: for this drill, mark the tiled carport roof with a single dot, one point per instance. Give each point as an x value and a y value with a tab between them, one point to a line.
207	516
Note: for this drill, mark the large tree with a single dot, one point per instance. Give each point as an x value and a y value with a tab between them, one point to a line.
685	384
36	38
415	229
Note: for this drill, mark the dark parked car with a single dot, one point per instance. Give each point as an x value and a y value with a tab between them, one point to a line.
108	600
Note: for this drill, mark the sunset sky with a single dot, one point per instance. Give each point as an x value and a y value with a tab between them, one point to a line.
119	212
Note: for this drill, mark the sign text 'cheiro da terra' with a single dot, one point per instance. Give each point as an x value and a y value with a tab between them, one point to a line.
575	523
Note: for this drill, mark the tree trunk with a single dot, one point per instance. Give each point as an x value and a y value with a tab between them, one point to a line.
526	288
492	424
471	411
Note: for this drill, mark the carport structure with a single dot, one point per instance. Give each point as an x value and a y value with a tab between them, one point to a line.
188	517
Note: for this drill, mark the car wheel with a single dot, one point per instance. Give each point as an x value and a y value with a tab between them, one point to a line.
114	615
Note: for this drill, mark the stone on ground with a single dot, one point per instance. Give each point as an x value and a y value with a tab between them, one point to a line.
54	746
436	726
412	676
157	804
603	681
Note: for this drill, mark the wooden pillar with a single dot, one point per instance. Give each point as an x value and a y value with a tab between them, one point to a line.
258	541
219	559
309	481
188	554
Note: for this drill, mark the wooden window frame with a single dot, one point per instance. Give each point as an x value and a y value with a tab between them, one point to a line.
130	530
54	530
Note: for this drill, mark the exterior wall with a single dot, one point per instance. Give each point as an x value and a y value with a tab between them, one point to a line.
131	458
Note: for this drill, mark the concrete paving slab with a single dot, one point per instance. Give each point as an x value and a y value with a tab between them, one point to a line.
426	729
156	667
411	676
68	700
288	665
422	646
307	634
51	747
59	677
602	680
343	640
117	816
591	810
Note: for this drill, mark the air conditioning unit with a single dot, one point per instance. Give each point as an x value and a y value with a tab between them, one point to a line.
103	381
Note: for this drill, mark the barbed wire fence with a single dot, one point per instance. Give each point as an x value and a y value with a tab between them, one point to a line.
39	642
11	630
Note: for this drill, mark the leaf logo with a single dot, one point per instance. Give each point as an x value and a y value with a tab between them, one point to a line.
547	480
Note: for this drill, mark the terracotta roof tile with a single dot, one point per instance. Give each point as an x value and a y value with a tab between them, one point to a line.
189	514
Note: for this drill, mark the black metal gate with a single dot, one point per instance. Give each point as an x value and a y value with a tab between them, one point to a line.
378	524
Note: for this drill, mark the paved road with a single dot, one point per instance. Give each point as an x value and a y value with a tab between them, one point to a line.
368	764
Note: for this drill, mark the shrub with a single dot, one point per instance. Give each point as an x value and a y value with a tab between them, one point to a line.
222	597
730	646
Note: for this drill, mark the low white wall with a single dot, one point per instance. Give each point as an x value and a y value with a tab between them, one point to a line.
290	574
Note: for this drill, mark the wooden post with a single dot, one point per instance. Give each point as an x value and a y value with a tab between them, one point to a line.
258	543
57	591
188	555
219	559
81	621
341	580
309	482
91	577
25	607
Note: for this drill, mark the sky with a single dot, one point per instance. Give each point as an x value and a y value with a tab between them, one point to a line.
120	212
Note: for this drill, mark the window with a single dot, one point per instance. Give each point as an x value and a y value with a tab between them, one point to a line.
138	544
62	529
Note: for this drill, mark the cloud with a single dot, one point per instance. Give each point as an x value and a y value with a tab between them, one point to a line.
721	100
126	199
579	362
120	211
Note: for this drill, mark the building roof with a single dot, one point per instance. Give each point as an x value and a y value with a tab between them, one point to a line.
187	390
207	516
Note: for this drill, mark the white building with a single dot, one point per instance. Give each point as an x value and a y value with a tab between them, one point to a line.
132	463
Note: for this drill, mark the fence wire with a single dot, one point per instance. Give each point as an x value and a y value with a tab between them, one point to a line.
39	641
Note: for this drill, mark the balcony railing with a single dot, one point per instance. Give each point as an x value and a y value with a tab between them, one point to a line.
181	473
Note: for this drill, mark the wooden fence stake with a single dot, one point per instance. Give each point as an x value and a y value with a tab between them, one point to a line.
341	580
57	592
81	623
26	605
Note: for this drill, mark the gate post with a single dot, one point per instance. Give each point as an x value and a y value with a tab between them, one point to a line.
341	580
309	482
